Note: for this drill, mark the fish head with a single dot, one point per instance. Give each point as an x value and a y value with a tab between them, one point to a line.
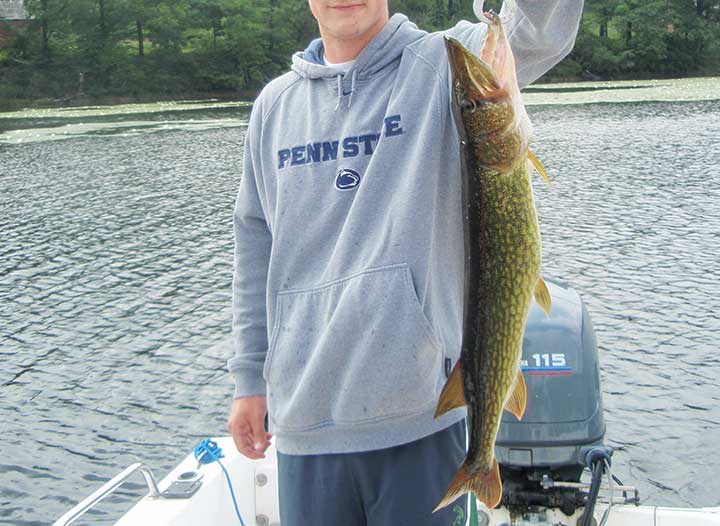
476	91
488	109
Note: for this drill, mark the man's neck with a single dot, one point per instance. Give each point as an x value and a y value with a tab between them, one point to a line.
339	50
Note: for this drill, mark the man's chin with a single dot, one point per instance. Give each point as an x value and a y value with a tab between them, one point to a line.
352	29
346	30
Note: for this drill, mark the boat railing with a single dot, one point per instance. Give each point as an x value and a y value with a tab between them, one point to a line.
107	489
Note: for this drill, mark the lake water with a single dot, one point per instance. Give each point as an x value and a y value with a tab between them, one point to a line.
115	270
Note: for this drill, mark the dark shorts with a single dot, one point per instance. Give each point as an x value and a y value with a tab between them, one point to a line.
397	486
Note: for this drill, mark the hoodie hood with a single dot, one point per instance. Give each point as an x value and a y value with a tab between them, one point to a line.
383	50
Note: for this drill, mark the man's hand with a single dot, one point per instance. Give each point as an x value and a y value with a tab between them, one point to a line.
246	424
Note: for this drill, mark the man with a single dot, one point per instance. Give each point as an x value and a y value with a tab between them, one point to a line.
348	285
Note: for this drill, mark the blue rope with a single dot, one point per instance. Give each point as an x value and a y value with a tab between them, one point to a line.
208	451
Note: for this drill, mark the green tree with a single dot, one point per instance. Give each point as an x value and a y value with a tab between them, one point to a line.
167	23
51	16
181	47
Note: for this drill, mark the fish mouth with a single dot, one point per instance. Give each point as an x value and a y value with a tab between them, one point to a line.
456	57
469	71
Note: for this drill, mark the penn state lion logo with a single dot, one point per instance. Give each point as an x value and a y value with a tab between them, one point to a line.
347	179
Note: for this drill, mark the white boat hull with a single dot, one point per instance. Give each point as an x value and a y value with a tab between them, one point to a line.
256	490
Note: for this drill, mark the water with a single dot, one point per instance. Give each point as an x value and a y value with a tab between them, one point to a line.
115	269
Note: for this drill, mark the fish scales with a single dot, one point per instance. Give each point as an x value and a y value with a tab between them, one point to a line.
508	253
502	254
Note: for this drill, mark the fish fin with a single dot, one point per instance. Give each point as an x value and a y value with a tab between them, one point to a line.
542	296
452	395
486	486
538	166
518	397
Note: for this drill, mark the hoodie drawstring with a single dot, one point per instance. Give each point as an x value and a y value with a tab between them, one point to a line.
339	84
352	87
340	93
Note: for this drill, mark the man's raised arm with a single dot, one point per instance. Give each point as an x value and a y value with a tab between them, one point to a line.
541	34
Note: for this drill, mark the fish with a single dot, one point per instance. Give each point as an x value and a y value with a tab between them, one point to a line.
502	254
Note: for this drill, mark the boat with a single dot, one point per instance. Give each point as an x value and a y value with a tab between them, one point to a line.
208	499
555	468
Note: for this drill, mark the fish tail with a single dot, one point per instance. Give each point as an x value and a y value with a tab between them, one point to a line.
486	485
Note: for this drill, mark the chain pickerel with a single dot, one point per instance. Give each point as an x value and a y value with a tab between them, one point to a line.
502	254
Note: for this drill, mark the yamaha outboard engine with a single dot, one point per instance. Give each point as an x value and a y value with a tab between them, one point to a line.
564	415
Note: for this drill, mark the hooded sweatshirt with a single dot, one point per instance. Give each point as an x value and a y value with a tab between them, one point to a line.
348	281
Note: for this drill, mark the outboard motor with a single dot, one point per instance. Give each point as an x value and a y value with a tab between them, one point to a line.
563	420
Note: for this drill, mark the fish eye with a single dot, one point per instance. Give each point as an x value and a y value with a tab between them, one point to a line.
468	105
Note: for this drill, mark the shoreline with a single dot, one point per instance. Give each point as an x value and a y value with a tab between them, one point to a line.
81	100
76	101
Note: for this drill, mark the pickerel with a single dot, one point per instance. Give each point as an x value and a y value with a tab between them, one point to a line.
502	254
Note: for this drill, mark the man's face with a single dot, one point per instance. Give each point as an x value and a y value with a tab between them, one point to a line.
349	19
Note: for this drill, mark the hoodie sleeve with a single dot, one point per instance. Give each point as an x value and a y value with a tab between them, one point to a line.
253	241
541	34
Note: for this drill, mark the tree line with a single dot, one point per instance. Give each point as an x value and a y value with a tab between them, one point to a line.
146	48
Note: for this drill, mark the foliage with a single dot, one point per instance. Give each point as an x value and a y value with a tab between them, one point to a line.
631	38
175	47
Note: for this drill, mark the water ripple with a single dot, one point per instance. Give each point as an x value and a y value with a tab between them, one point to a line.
115	269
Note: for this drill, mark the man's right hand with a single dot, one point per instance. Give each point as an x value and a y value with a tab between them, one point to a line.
246	424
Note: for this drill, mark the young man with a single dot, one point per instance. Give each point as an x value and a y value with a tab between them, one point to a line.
348	284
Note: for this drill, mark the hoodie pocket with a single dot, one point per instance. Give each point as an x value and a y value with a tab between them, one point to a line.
352	351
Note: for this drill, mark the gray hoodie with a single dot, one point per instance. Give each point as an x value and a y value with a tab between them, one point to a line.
348	284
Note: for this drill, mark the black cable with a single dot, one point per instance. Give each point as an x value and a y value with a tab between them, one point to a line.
587	516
